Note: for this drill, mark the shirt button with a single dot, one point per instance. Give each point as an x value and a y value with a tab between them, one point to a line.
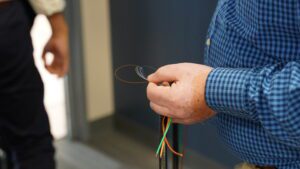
208	42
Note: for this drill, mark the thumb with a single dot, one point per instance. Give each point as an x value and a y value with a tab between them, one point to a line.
44	56
50	47
164	74
47	49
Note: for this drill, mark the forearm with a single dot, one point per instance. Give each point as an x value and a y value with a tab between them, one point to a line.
58	45
269	95
58	24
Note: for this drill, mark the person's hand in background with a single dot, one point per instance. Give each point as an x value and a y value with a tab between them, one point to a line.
184	100
58	45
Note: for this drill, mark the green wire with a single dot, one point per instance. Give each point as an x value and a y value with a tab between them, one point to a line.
164	136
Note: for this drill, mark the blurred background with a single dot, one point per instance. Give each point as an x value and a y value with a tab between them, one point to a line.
101	123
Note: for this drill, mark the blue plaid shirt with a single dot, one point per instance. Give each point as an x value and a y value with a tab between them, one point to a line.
254	46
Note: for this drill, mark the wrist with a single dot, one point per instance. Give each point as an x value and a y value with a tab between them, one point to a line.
58	24
204	105
200	104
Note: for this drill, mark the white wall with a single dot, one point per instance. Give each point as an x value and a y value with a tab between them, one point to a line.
97	58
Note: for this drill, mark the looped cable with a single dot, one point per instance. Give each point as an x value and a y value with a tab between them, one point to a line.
126	81
139	70
165	126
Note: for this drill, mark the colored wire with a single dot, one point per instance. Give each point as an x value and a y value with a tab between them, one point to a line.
163	130
164	139
164	136
170	147
163	144
165	127
162	150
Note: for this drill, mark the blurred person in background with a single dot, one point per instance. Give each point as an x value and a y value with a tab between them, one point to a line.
24	127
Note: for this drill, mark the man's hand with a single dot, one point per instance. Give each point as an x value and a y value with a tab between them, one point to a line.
184	99
58	45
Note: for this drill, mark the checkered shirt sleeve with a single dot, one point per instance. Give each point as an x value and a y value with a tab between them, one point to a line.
254	48
270	95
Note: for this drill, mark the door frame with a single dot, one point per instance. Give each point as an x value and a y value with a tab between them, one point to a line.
75	82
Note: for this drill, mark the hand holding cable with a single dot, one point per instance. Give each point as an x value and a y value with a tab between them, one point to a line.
184	100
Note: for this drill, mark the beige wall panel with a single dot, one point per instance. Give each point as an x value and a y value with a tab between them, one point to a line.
97	58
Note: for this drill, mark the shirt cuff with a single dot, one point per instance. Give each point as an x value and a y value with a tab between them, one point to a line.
226	91
48	7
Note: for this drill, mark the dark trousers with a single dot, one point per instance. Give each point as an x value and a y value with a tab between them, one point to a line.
24	128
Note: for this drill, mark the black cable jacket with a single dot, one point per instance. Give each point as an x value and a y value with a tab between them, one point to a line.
175	145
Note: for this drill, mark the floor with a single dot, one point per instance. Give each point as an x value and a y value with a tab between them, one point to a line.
119	146
109	148
132	152
73	155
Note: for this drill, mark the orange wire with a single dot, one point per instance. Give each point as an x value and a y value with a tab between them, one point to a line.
171	149
166	140
163	144
162	149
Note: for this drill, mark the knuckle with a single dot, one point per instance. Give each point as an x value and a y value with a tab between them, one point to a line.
148	91
151	105
160	70
163	69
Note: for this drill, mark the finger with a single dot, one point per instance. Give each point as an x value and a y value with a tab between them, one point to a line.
178	120
182	121
164	74
61	62
160	109
57	66
159	94
174	120
51	69
58	63
44	57
48	48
